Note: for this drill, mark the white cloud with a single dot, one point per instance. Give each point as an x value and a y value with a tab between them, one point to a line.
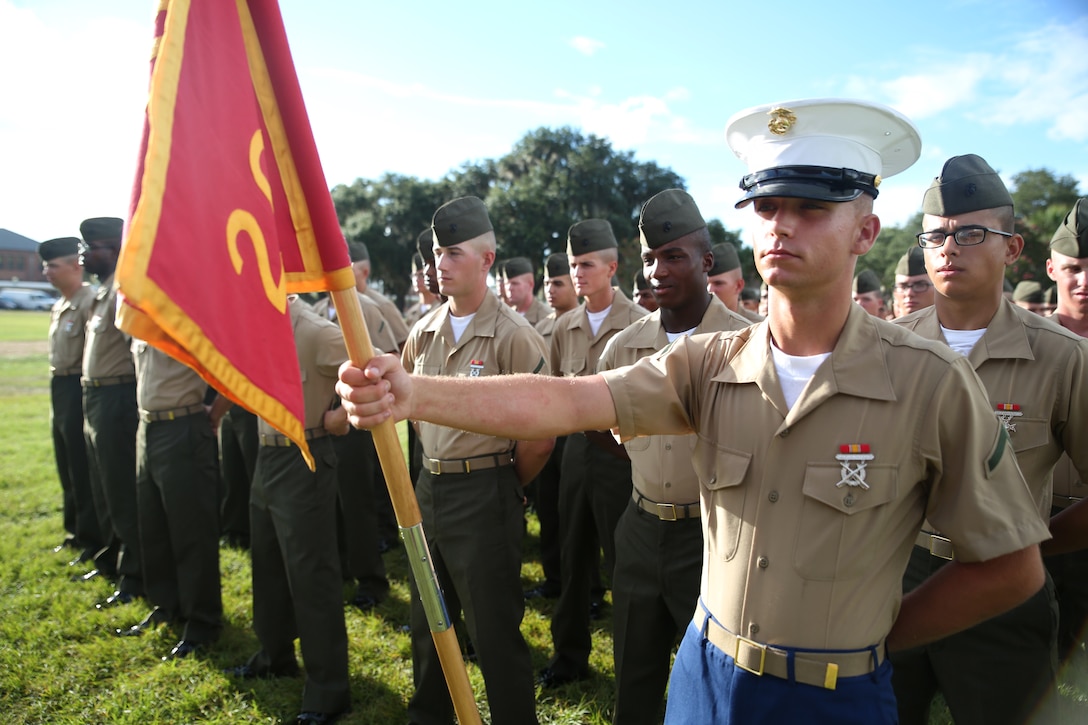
584	45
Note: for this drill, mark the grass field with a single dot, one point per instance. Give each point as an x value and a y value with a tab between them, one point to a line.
59	662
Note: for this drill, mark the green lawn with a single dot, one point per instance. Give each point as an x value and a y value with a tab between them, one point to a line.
60	664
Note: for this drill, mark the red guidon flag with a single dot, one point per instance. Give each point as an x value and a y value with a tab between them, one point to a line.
230	212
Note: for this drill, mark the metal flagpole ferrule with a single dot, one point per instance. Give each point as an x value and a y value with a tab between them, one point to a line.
430	593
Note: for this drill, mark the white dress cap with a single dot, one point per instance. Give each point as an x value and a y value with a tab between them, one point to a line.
824	148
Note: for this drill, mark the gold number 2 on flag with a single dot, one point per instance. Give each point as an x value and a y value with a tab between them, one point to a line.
241	220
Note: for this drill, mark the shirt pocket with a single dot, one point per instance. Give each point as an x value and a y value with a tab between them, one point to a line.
842	527
572	367
721	472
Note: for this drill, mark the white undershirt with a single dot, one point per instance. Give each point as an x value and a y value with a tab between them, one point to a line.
459	324
962	341
596	318
673	335
794	371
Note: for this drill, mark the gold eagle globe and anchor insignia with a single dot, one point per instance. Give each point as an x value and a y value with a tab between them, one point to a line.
782	120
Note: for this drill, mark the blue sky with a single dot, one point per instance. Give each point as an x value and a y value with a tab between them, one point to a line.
419	88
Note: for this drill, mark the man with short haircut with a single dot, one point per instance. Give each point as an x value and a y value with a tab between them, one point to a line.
470	488
595	482
1028	294
659	539
60	264
1068	267
560	294
296	573
519	282
825	437
641	294
177	494
1036	376
749	299
360	265
868	293
913	289
726	281
111	417
426	299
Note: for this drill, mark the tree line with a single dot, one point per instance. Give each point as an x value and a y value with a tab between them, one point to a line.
553	178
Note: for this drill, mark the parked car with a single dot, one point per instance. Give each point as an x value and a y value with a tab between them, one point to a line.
19	299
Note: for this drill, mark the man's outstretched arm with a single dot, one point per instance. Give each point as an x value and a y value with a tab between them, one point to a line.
524	407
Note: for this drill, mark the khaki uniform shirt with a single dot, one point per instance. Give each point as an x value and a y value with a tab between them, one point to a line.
575	349
163	383
1029	361
416	311
536	312
392	316
68	332
107	352
319	345
380	331
546	326
661	465
798	553
752	317
498	341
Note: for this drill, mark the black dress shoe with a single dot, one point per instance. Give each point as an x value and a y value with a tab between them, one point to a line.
66	544
84	556
115	600
308	717
149	622
247	672
182	649
89	576
549	678
363	602
595	611
384	545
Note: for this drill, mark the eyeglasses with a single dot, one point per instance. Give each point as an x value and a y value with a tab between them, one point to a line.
964	236
918	287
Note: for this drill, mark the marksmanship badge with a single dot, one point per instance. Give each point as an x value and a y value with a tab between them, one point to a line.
475	368
1006	412
853	458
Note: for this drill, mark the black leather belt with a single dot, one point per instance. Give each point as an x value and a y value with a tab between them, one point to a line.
468	465
276	440
665	511
103	382
935	544
154	416
66	373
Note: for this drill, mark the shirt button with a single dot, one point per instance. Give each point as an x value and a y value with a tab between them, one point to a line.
753	629
763	562
668	485
785	432
712	479
772	496
668	446
848	500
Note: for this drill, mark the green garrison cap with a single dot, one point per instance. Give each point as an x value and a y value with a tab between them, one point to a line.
1071	239
60	247
556	265
417	262
640	281
590	235
725	259
668	216
460	220
358	252
517	266
102	229
1028	291
424	244
867	281
966	184
750	293
912	263
1050	297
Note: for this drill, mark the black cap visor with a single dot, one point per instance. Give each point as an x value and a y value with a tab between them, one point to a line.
808	182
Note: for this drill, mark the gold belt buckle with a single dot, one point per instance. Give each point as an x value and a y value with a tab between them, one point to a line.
666	511
756	645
